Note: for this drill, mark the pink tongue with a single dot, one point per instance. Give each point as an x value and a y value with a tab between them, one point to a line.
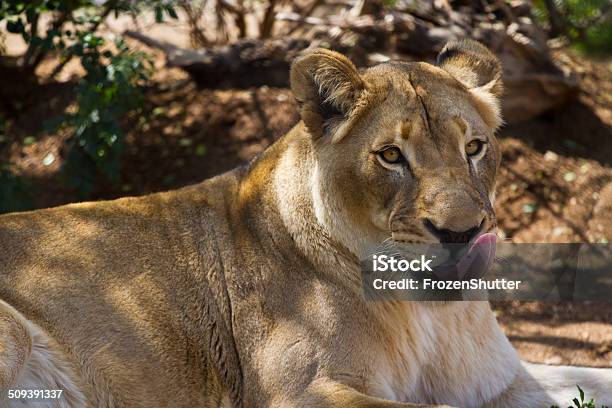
486	239
479	258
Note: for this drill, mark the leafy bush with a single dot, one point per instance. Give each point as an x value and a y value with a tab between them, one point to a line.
111	88
580	403
587	24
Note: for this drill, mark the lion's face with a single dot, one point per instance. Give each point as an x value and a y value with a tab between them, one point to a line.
403	150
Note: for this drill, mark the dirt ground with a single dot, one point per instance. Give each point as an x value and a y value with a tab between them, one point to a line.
555	184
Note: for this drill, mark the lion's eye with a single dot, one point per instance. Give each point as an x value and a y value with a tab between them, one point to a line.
391	155
474	147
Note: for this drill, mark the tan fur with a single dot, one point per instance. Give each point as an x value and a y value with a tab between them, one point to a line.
245	290
45	365
15	347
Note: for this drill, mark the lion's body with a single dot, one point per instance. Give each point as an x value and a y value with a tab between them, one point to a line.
134	290
241	290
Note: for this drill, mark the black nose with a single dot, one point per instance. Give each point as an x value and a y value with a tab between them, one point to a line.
447	236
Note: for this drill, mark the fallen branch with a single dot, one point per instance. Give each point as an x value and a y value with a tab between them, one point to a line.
243	64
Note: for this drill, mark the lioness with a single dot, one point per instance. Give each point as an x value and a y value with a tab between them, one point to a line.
245	290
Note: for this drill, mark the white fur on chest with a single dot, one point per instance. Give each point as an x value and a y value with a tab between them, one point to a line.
454	354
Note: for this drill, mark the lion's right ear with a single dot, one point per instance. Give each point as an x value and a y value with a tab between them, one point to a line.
327	85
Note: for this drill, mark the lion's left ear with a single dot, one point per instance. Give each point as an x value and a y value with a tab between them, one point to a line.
472	64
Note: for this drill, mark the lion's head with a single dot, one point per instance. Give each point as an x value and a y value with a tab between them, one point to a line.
405	150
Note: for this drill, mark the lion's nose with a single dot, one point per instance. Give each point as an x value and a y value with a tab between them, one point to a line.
447	236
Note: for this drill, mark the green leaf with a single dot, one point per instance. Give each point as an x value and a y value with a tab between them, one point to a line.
15	27
171	12
581	393
185	142
529	208
159	111
28	140
159	14
200	150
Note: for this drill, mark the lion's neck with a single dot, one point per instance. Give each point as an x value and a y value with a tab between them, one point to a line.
302	209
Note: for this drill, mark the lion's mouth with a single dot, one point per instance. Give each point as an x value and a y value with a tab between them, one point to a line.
455	261
471	261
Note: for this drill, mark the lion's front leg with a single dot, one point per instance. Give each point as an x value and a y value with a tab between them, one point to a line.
325	392
293	369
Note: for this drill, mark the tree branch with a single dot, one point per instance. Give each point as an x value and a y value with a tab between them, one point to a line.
239	16
267	24
307	12
196	33
29	54
557	25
